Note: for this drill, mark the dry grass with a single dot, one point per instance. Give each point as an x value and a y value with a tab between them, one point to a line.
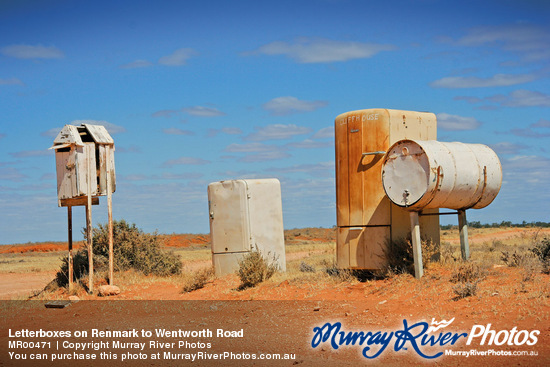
30	262
466	278
198	279
255	268
320	257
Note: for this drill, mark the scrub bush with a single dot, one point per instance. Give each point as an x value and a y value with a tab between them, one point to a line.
254	268
542	251
132	249
198	280
400	259
306	268
466	277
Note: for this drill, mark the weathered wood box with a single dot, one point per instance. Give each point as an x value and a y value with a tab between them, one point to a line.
81	155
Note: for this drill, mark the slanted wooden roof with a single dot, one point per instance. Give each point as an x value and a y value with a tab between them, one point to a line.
67	136
99	134
71	134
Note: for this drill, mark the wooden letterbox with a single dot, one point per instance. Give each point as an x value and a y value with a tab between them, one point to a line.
81	155
366	218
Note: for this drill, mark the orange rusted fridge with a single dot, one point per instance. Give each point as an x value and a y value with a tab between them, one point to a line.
366	218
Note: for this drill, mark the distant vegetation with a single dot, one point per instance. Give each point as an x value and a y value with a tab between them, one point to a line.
524	224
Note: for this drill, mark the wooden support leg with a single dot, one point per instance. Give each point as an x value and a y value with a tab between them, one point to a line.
89	242
417	245
89	235
70	258
109	211
463	228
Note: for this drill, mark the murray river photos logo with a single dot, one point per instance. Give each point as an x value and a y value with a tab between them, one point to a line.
421	337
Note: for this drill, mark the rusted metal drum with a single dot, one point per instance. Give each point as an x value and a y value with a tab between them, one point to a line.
423	174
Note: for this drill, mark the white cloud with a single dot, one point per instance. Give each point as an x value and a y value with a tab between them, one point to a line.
137	64
305	50
311	144
498	80
529	133
202	111
176	131
51	133
165	113
111	128
524	98
11	81
31	153
530	41
11	174
288	105
225	130
182	176
130	149
324	133
446	121
469	99
178	57
32	52
277	132
264	156
541	123
250	148
185	161
257	152
517	98
527	169
507	147
135	177
231	131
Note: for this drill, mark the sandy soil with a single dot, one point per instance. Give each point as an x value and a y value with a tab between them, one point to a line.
17	285
279	316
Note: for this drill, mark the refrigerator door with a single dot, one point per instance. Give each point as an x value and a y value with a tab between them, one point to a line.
229	216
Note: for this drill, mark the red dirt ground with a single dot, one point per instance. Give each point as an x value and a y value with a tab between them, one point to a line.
282	315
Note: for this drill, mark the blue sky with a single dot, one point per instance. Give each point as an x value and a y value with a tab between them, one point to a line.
200	91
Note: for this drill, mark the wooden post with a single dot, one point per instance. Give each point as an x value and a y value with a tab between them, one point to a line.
89	235
463	228
417	245
70	261
109	210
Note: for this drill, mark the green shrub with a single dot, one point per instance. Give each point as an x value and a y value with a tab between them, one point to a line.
80	267
254	268
132	249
